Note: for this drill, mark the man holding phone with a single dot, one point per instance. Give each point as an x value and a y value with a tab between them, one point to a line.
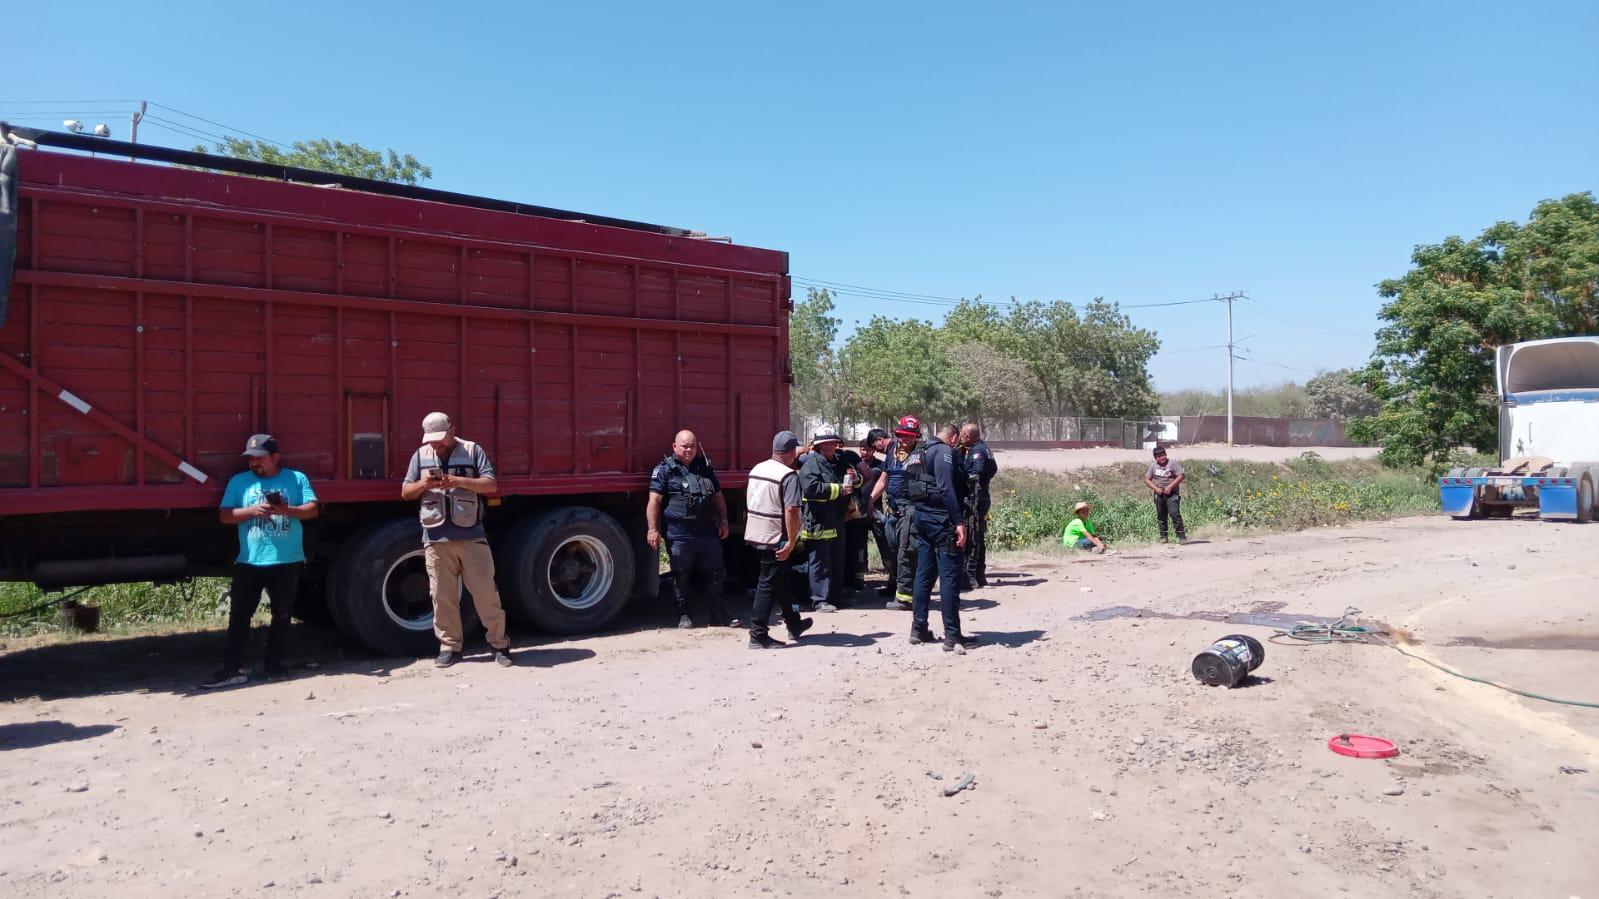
267	504
451	476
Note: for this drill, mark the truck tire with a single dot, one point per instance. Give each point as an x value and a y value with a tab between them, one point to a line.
1585	500
378	591
568	570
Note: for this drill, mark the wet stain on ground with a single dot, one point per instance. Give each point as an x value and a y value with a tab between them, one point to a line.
1579	642
1263	615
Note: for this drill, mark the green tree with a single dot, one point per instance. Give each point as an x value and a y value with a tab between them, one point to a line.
1286	400
328	156
1337	394
902	367
1095	364
998	395
973	321
1433	369
812	332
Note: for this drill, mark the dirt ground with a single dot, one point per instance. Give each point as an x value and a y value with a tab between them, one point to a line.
656	762
1073	459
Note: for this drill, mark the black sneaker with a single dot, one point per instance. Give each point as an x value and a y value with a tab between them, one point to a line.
447	657
502	657
684	622
804	625
765	642
922	634
225	678
898	605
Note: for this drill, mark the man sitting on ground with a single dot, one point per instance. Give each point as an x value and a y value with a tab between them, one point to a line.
1080	531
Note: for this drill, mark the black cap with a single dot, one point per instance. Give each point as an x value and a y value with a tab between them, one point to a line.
261	446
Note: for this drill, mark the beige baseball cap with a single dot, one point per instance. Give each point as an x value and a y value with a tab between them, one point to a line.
435	427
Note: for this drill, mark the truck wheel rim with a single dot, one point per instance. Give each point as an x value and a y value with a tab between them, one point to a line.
406	599
580	572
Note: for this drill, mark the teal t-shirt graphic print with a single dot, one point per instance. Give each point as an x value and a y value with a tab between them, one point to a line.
278	539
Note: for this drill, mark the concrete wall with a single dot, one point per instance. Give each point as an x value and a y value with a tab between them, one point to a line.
1263	431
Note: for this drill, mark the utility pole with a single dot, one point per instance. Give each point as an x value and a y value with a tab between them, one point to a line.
1235	295
133	130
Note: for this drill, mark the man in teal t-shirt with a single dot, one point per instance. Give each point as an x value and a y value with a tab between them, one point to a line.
1080	531
267	503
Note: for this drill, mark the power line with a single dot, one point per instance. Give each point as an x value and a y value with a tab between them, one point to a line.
902	296
61	102
1301	320
52	113
219	124
878	290
178	129
172	109
184	127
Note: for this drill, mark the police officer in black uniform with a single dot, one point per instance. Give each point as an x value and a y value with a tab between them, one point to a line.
685	487
978	461
936	487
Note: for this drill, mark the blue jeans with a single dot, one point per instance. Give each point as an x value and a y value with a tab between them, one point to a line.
936	556
826	568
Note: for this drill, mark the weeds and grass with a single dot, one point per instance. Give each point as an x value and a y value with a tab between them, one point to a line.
123	607
1033	507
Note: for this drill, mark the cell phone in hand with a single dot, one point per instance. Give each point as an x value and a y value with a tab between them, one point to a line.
434	474
275	497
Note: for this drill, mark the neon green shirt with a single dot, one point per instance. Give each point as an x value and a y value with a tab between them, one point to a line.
1078	529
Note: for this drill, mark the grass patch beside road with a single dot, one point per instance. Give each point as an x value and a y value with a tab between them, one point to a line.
123	607
1032	507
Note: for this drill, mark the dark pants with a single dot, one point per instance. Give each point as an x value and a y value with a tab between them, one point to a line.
901	532
1170	507
885	546
857	534
772	587
697	575
937	557
977	550
279	582
824	561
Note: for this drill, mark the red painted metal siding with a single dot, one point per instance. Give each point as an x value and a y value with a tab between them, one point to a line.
189	310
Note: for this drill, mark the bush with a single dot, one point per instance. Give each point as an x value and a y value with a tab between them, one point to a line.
1033	507
121	605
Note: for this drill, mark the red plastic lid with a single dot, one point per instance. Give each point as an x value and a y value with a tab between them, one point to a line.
1363	747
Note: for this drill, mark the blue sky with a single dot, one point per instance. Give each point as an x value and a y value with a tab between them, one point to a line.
1141	152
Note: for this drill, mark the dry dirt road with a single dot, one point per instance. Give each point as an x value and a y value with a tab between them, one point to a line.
665	763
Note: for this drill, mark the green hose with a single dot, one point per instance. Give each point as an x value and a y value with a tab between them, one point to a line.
1345	631
1507	688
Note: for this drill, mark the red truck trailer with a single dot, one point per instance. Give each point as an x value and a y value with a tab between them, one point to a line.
156	315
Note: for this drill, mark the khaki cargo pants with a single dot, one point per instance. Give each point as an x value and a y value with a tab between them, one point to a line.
449	563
